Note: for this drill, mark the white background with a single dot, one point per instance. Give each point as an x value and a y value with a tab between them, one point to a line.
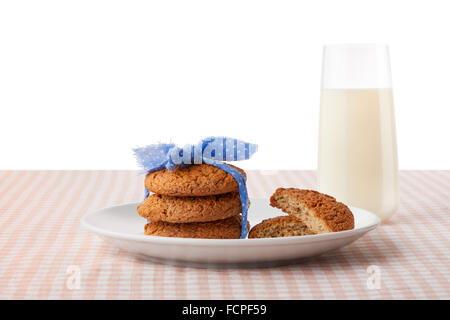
82	82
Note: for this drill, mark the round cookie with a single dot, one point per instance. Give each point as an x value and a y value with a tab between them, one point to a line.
190	209
283	226
194	180
229	228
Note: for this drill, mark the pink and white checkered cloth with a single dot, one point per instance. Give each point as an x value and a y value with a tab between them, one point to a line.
42	241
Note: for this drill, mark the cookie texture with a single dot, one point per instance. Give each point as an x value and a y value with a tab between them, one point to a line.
194	180
229	228
283	226
321	213
190	209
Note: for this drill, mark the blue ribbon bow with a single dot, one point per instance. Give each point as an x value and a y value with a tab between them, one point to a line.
211	151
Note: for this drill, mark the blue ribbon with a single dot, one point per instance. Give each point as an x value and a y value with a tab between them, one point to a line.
211	151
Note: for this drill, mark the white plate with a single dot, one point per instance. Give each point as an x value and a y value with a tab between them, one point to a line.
122	227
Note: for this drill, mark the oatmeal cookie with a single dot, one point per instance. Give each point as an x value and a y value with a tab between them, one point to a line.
194	180
321	213
229	228
283	226
190	209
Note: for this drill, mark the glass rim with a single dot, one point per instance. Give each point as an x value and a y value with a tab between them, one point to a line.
355	45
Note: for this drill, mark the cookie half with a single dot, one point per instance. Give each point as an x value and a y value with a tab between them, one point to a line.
321	213
229	228
283	226
193	180
190	209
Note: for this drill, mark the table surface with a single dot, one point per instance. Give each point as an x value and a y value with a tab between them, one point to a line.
43	246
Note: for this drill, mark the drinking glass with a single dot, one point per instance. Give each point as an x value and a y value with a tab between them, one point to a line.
357	161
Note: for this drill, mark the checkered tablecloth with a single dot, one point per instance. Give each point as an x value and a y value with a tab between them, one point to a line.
43	246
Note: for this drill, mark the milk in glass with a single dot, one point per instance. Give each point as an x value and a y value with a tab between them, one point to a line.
357	161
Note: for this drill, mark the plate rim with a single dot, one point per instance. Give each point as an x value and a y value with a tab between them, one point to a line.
226	242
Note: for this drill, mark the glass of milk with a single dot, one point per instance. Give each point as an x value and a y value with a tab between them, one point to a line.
357	143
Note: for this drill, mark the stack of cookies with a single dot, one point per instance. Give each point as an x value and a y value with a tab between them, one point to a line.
196	201
309	212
